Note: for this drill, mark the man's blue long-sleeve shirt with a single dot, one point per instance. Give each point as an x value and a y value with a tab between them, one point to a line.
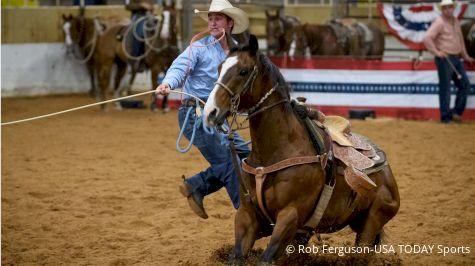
203	63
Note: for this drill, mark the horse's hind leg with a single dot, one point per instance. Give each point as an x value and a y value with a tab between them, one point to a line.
132	79
284	231
155	70
246	229
121	69
104	76
369	225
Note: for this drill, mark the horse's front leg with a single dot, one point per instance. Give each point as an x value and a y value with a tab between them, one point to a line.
246	228
283	234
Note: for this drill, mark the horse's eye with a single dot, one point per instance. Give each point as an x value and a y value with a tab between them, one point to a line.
243	72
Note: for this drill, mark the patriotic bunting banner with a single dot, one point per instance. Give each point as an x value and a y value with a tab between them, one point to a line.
409	22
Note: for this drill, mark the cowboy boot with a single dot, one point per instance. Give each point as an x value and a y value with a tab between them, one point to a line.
194	200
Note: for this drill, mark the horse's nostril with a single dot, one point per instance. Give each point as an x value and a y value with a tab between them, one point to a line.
212	115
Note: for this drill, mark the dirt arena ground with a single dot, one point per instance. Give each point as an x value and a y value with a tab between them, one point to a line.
93	188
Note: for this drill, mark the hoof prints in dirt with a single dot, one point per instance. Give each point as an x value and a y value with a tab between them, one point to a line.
221	255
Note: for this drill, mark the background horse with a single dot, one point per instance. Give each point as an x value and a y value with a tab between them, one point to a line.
159	53
322	40
468	31
163	50
80	37
345	37
280	32
249	82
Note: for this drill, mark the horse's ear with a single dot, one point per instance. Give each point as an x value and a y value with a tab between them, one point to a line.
277	14
168	3
231	44
253	44
64	16
267	13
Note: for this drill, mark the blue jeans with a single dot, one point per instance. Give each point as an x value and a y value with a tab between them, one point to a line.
138	47
446	74
215	149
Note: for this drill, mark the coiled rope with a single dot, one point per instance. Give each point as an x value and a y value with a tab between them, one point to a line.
147	39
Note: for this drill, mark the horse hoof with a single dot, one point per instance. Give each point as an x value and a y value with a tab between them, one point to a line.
165	110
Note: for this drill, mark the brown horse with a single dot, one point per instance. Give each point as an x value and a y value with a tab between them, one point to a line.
344	38
249	82
322	40
468	31
80	36
280	32
160	51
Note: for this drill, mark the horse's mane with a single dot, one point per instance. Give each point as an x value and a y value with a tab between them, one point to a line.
273	73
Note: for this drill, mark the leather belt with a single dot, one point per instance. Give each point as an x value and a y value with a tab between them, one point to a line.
192	103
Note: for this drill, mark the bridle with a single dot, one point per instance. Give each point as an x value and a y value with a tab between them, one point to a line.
236	98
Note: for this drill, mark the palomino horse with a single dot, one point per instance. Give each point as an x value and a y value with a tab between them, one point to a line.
81	35
344	38
468	31
249	82
159	53
280	32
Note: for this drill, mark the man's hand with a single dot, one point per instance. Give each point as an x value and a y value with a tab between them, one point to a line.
163	89
441	54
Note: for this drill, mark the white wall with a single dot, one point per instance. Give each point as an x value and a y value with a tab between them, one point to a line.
40	69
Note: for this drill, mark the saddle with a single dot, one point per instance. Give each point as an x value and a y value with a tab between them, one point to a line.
354	156
341	32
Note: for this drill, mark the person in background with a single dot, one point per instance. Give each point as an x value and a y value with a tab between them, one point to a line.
445	40
198	70
139	9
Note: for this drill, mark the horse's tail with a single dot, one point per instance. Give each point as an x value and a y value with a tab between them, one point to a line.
378	42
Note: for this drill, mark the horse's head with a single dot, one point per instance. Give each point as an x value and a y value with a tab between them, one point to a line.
68	39
471	34
247	79
236	79
274	31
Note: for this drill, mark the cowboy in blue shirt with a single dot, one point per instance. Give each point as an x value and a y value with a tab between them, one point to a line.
197	67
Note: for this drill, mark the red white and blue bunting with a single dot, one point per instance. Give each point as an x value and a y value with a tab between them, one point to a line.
409	22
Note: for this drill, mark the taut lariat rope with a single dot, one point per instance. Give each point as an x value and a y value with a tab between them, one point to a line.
93	104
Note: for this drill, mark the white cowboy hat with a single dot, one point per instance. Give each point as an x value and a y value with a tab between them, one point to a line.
447	3
240	18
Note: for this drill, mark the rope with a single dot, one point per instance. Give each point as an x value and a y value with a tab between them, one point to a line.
94	104
180	136
132	27
459	77
92	43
